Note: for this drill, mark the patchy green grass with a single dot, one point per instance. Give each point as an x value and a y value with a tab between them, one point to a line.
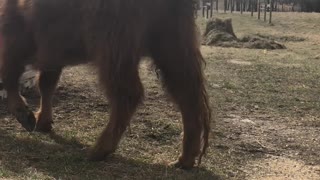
266	102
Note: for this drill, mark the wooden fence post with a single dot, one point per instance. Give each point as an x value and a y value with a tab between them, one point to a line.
251	4
211	8
265	10
217	5
203	10
259	10
271	9
231	6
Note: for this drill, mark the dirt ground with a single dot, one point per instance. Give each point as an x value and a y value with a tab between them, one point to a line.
267	123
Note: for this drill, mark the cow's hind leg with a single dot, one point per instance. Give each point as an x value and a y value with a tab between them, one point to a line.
47	83
180	63
124	91
10	74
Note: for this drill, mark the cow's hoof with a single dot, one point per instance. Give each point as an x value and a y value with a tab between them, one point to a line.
182	164
44	125
99	153
26	118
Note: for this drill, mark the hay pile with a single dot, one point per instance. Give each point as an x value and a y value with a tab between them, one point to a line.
220	32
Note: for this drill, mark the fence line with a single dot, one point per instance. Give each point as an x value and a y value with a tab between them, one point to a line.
207	7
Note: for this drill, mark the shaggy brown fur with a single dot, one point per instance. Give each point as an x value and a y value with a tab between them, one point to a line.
114	35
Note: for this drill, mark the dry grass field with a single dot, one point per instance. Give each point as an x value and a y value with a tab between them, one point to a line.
267	123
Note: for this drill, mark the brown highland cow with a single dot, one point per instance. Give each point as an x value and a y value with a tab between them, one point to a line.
113	35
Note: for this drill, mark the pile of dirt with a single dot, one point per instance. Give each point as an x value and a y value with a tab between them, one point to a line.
219	32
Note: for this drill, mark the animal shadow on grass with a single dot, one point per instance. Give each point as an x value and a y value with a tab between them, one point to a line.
43	156
47	156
